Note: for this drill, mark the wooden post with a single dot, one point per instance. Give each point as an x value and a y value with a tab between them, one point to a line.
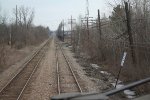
87	25
78	47
63	30
102	56
16	16
99	24
71	21
128	18
10	37
71	29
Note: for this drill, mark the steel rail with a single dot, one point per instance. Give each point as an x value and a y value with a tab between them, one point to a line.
58	76
69	65
24	66
30	78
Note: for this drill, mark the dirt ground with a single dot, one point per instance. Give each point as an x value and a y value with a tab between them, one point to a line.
15	60
13	56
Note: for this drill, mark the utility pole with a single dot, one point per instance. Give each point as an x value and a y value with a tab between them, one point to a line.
10	37
127	10
63	30
71	22
16	16
71	29
87	25
100	37
16	27
99	24
87	8
88	21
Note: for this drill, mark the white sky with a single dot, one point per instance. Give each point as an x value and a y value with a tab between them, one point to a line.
52	12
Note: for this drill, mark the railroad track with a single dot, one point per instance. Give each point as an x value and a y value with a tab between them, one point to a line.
14	89
66	79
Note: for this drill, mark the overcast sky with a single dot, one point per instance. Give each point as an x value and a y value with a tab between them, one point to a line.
52	12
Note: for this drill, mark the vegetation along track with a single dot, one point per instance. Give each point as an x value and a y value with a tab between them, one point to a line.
14	89
66	79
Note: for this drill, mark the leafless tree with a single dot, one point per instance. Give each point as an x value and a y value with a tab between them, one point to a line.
115	39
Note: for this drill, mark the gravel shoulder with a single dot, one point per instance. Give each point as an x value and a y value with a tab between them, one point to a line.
44	81
86	82
67	81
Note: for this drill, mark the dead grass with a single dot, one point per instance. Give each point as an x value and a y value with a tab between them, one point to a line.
9	56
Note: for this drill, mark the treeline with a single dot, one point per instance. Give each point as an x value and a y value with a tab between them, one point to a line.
104	39
21	31
60	31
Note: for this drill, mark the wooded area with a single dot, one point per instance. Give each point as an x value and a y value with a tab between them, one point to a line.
104	40
20	31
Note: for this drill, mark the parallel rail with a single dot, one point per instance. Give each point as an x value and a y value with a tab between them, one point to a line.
16	86
71	70
58	75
